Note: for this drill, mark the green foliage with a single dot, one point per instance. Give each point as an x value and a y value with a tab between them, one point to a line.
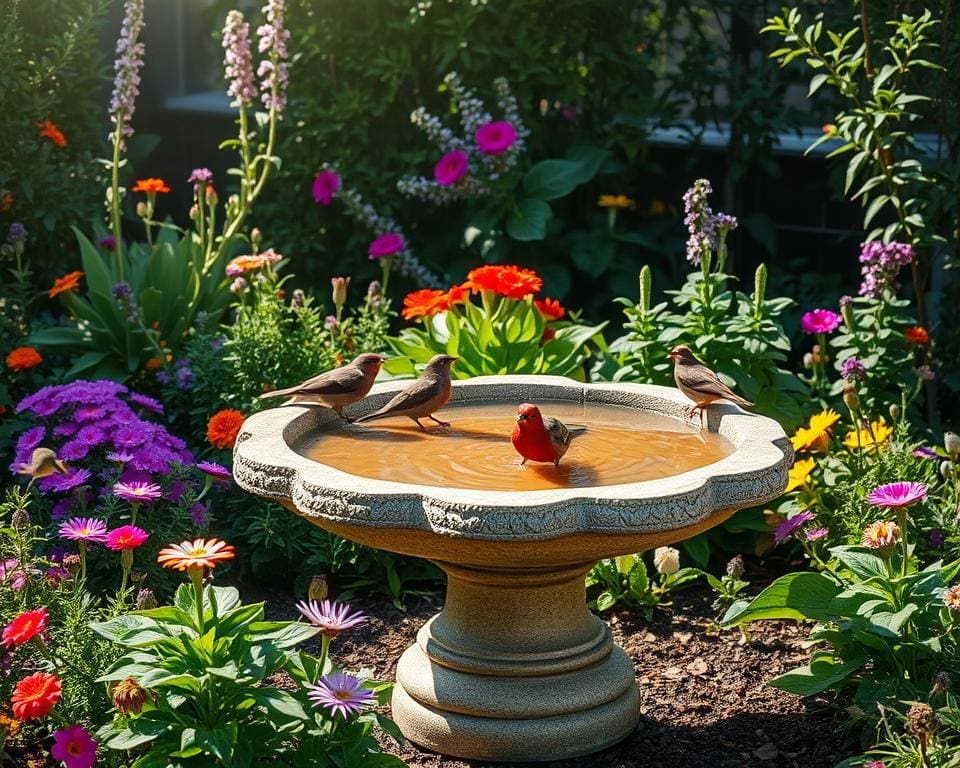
626	580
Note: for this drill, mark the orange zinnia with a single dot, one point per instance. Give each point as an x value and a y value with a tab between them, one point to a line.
50	131
69	282
223	428
917	335
151	186
505	280
424	303
6	201
549	308
199	553
23	359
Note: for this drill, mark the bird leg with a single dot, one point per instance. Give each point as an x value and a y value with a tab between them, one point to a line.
419	424
698	409
556	463
441	423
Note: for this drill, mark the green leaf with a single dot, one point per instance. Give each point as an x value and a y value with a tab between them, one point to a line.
605	601
550	179
529	221
861	563
280	703
817	676
799	596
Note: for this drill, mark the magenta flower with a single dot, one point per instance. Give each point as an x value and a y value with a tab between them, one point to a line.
332	618
897	494
73	479
216	472
386	245
814	534
340	692
451	168
495	138
820	321
74	747
136	492
786	527
126	537
197	175
87	529
325	186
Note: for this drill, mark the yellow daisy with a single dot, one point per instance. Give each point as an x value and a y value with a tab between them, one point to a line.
615	201
799	474
870	439
816	435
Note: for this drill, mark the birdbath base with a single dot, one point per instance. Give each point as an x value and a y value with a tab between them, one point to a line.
515	668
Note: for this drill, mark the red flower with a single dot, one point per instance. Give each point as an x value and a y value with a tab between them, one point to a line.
917	335
6	201
34	696
150	186
50	131
223	428
549	308
23	359
504	280
424	303
25	627
69	282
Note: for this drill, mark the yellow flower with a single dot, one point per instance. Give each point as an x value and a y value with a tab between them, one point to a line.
816	436
615	201
799	474
870	439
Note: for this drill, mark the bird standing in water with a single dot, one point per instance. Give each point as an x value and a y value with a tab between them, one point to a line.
427	395
337	388
539	438
698	382
43	463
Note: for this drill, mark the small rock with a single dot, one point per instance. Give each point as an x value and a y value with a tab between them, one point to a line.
697	667
683	637
766	752
672	673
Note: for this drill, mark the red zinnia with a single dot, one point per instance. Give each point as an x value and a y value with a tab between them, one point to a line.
917	335
25	627
505	280
549	308
150	186
223	428
34	696
23	359
48	130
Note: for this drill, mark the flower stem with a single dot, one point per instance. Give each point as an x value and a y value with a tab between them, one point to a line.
902	521
115	203
196	577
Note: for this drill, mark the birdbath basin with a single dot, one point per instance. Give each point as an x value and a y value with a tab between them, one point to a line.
515	667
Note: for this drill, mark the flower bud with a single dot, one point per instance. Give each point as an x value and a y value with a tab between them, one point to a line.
946	469
128	697
319	588
846	312
299	299
373	293
233	205
145	600
666	560
72	563
340	285
20	519
760	284
895	412
142	210
807	360
210	195
646	285
256	236
239	285
922	721
951	442
851	399
126	559
736	568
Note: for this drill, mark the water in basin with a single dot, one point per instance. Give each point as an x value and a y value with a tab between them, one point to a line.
621	445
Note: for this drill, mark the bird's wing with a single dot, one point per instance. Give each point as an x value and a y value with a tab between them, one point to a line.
421	392
701	379
340	381
559	434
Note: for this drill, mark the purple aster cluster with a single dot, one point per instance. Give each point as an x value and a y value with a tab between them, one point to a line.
126	83
237	62
880	263
853	369
97	422
273	69
705	227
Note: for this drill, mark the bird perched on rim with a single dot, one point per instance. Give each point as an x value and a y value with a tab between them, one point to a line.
337	388
428	394
698	382
43	463
539	438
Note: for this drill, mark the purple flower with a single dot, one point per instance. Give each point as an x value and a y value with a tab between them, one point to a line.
121	457
786	527
217	342
30	439
123	293
88	529
325	186
108	243
332	618
136	493
340	693
936	539
129	437
237	61
880	263
216	472
73	450
199	515
184	377
90	435
901	494
73	479
89	412
126	83
273	69
17	233
922	452
238	286
386	245
65	429
198	175
699	220
925	372
62	508
820	321
815	534
146	402
852	369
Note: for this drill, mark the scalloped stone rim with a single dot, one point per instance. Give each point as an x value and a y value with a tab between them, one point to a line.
755	472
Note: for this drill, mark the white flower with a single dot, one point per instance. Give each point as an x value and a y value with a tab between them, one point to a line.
666	560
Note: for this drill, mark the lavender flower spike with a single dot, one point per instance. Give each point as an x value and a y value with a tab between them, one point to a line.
126	82
237	61
699	220
273	69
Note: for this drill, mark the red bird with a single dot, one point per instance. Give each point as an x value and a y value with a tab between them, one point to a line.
541	439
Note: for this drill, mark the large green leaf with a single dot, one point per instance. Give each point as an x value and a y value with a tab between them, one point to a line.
529	220
817	676
550	179
799	596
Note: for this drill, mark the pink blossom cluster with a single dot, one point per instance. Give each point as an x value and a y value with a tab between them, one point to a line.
237	61
273	69
880	263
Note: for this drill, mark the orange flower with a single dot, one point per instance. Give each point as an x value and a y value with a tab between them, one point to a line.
549	308
458	293
223	428
34	696
151	186
195	554
23	359
6	200
69	282
424	303
917	335
248	262
615	201
50	131
509	281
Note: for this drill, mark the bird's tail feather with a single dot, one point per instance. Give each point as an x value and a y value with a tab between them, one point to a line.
576	429
740	401
278	393
370	417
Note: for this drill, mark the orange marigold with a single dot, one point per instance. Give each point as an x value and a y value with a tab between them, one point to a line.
917	335
48	130
505	280
223	428
69	282
23	359
424	303
549	308
151	186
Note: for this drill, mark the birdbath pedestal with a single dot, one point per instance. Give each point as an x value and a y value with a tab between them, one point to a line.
515	667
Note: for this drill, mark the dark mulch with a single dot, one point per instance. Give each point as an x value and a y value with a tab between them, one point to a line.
704	702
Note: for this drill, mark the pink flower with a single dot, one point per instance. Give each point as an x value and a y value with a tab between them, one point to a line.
84	529
137	492
451	168
325	186
126	537
897	494
495	138
786	527
820	321
340	692
74	747
386	245
815	533
332	618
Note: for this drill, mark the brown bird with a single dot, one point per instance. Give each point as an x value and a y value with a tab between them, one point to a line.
698	382
337	388
428	394
43	463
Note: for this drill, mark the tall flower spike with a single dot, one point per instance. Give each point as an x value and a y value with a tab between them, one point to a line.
126	82
273	69
237	61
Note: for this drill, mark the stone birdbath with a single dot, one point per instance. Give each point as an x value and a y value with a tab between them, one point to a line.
515	667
